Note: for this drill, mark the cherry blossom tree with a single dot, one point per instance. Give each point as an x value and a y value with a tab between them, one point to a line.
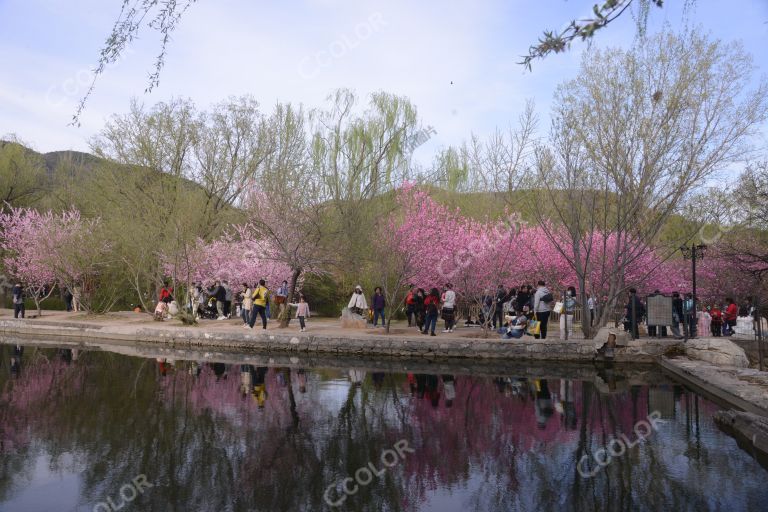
46	249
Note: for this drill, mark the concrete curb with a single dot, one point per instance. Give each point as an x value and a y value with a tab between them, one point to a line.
309	343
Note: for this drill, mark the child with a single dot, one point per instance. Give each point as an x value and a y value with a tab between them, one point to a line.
302	312
717	321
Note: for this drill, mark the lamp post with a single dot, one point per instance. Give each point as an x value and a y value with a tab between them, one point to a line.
693	253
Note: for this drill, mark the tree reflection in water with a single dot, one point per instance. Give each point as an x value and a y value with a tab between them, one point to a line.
215	436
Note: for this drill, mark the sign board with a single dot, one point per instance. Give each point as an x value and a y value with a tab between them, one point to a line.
659	310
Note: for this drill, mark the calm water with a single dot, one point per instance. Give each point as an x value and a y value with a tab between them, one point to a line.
91	430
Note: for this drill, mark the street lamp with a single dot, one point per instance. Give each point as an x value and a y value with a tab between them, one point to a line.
693	253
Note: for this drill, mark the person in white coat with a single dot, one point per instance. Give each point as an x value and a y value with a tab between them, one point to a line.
357	302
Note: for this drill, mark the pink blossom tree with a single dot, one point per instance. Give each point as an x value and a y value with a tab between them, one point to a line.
46	249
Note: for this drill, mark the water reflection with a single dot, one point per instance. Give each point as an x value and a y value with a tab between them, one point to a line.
225	436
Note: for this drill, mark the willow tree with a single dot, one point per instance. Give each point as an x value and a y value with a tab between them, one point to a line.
633	136
23	176
359	156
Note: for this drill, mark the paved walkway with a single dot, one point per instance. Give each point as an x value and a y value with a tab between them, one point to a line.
323	336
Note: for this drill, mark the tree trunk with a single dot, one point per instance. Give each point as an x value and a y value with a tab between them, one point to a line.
285	316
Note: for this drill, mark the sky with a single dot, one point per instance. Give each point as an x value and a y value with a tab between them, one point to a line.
456	60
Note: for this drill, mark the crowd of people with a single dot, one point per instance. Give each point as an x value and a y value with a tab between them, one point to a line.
512	312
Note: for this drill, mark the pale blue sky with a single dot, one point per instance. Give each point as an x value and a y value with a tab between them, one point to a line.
299	51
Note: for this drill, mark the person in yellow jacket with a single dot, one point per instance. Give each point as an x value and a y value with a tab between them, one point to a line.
260	296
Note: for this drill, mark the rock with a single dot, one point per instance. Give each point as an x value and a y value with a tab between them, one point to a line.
602	336
720	352
350	320
750	431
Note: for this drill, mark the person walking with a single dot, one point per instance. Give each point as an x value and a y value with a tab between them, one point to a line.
566	316
418	308
409	305
357	303
302	312
228	296
260	297
431	307
247	298
542	307
378	303
449	307
18	301
220	294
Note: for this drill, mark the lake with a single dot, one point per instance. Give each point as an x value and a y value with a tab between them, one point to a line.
93	430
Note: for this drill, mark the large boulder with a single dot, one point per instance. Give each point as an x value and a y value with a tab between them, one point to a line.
350	320
605	333
718	351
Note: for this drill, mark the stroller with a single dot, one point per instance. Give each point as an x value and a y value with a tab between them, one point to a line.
208	309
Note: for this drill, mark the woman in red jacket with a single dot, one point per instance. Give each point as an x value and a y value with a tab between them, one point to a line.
731	313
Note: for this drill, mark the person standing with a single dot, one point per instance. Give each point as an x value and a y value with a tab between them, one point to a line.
498	312
220	294
731	314
522	300
18	301
677	315
542	301
431	307
591	303
716	322
260	297
690	315
281	298
633	312
245	311
449	307
566	317
357	303
378	303
68	298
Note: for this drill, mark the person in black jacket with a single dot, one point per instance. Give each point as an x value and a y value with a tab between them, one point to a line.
498	313
635	311
677	314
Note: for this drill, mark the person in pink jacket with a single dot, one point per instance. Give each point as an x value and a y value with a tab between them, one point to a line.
302	312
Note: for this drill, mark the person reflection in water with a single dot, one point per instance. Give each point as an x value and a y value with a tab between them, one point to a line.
246	379
18	351
66	355
568	405
259	392
163	366
449	388
302	376
543	403
220	370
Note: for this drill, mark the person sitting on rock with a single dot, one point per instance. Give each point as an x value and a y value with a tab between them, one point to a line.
357	303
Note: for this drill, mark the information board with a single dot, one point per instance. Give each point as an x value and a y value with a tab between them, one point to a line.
659	310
